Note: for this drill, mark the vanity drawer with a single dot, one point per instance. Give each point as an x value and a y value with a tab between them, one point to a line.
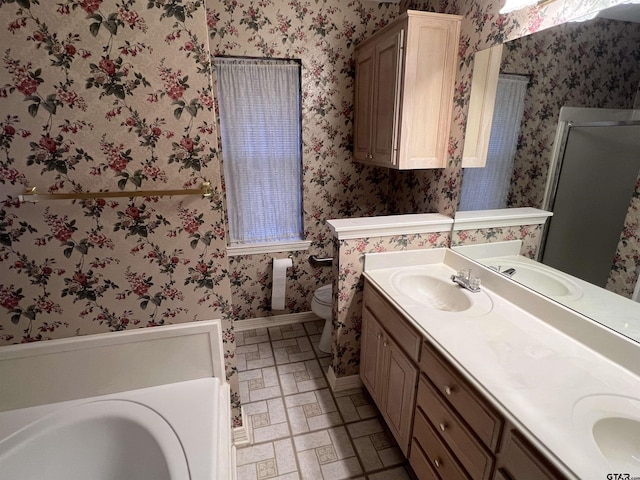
420	463
470	452
482	419
393	322
435	452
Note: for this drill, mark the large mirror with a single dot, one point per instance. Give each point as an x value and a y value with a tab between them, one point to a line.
533	157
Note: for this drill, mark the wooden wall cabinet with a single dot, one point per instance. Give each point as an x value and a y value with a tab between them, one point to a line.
482	99
446	428
405	76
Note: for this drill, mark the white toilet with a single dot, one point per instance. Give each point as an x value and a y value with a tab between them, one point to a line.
321	305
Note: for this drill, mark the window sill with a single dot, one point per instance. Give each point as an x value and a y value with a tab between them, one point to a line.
235	250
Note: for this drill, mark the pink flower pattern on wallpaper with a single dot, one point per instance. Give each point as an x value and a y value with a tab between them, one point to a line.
591	64
101	99
530	235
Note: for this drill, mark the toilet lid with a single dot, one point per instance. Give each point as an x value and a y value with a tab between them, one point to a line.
323	295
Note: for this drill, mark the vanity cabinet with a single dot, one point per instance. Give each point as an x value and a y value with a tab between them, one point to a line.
519	460
444	425
460	420
387	371
404	86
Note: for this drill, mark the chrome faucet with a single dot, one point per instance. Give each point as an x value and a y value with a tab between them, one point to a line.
508	272
466	280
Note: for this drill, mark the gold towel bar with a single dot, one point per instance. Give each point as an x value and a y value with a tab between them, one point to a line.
204	190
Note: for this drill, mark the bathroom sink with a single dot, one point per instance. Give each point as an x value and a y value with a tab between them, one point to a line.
612	423
619	441
431	287
539	278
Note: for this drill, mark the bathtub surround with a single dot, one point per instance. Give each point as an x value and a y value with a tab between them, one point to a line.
185	391
147	434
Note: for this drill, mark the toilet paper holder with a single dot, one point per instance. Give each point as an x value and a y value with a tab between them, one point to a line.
316	261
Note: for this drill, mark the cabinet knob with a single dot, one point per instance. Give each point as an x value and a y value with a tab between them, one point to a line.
385	343
379	336
448	389
443	426
437	462
370	156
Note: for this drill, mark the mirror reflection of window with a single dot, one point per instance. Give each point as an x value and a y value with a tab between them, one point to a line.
487	188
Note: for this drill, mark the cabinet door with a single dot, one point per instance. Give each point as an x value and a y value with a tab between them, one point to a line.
399	390
520	460
371	357
363	108
386	99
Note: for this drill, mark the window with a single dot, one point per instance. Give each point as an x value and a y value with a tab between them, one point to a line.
260	129
488	188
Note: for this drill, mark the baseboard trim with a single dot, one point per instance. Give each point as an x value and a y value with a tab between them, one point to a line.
274	321
339	384
241	435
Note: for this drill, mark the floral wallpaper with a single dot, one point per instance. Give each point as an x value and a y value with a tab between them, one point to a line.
626	261
529	234
349	283
115	96
323	35
591	64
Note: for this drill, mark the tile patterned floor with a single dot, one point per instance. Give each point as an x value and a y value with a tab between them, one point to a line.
300	428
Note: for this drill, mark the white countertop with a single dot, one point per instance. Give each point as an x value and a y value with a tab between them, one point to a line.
533	372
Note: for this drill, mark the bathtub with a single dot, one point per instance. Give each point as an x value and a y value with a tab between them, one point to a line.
168	432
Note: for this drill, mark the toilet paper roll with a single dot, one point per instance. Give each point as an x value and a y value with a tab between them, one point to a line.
278	291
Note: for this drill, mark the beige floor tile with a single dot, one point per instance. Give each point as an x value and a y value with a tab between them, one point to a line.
259	384
253	356
356	404
397	473
301	377
375	445
327	453
249	337
292	350
266	420
341	469
314	327
300	429
287	331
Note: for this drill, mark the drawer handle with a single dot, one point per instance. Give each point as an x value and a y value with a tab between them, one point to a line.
443	426
437	463
448	389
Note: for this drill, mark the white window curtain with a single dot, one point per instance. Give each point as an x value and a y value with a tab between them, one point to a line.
260	128
487	188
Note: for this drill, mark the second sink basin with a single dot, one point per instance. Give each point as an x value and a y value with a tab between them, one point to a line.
431	287
612	422
539	278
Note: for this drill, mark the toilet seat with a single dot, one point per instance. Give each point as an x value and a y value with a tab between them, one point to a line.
323	296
